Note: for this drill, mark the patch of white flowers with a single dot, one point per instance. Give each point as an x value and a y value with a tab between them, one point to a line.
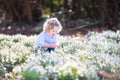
77	58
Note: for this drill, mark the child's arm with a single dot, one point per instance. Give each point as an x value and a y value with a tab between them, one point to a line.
51	45
40	40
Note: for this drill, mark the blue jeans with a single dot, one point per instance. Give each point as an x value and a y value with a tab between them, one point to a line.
50	49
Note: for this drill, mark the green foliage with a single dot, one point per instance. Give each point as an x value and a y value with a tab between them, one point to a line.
56	2
30	74
83	78
70	73
47	11
2	70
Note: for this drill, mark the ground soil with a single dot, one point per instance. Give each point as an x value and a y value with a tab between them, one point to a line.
35	28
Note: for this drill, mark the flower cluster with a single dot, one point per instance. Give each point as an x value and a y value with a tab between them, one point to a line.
77	59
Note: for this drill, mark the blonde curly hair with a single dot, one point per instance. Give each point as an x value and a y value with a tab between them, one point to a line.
51	23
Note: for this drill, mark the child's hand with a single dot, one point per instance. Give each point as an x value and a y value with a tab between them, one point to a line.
55	46
52	45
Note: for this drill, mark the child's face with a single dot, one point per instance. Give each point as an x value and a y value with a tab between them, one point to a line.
53	31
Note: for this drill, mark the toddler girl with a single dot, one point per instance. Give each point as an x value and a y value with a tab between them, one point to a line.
47	39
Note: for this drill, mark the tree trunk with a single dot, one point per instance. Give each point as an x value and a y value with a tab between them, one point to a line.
27	12
37	11
76	5
104	10
65	4
12	9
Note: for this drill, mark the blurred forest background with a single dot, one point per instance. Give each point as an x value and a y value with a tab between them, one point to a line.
77	16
